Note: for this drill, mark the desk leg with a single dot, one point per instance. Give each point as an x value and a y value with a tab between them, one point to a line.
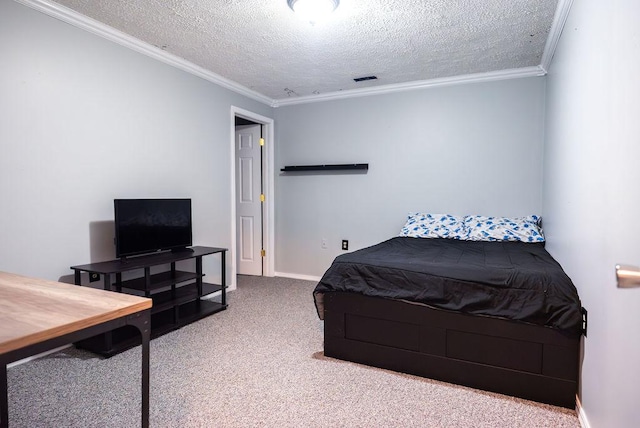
142	321
4	398
145	376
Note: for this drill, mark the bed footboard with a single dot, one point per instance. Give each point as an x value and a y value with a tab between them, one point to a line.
508	357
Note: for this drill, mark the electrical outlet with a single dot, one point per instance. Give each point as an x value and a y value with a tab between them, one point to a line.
93	277
345	244
323	243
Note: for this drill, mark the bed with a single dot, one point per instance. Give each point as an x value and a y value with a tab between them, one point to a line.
470	304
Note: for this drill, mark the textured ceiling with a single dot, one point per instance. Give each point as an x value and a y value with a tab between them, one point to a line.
263	46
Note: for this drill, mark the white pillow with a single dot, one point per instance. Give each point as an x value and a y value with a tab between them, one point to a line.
421	225
483	228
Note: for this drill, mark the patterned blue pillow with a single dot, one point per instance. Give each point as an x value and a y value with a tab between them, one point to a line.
483	228
421	225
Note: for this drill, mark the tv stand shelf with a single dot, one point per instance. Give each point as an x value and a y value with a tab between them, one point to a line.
177	294
158	281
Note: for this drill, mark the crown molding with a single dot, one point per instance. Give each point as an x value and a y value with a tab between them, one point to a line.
559	19
91	25
514	73
78	20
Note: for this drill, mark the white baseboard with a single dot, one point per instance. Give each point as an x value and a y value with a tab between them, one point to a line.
582	416
34	357
299	276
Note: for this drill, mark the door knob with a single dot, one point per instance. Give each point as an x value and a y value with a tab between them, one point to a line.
627	276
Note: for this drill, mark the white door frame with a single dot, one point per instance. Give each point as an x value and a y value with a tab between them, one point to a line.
268	182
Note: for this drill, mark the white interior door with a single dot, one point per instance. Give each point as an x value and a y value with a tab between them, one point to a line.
248	203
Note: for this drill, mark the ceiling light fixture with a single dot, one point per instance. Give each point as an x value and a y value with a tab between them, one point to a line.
313	10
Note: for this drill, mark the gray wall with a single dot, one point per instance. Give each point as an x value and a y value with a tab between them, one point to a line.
469	149
591	203
83	121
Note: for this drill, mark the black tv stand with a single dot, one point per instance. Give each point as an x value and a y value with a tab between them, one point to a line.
177	294
182	250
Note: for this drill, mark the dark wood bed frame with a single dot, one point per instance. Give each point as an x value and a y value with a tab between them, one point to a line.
523	360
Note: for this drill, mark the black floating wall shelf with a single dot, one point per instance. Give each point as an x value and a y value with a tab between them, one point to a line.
332	167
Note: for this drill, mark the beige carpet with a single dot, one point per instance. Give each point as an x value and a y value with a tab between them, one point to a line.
257	364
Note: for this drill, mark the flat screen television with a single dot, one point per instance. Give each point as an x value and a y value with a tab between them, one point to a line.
150	225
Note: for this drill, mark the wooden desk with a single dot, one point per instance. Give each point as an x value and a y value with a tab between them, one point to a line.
38	315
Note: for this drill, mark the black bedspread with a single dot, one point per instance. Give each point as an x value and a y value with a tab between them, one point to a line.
514	280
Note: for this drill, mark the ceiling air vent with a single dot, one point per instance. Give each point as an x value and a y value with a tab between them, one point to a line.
362	79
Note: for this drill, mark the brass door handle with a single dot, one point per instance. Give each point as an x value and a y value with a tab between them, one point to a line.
627	276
